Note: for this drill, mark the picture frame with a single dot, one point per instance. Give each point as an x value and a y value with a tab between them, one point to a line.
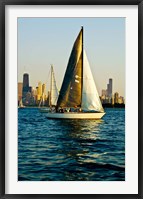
3	100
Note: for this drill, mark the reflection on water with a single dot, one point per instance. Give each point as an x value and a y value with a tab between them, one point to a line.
71	149
81	133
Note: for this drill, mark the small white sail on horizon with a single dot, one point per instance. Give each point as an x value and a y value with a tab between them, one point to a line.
21	104
53	89
53	93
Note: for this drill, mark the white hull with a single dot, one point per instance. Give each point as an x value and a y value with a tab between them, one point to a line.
75	115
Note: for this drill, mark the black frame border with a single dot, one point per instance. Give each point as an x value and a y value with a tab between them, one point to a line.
3	3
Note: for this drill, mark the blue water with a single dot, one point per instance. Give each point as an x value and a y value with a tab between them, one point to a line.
71	150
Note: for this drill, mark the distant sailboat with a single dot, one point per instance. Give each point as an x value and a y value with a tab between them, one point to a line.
21	104
53	94
78	98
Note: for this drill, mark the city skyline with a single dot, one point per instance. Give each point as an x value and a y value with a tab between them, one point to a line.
42	42
33	95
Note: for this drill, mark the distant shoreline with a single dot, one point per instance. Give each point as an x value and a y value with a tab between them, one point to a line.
113	105
104	106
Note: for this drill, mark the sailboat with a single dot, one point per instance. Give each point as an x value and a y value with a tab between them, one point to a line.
78	97
53	94
21	104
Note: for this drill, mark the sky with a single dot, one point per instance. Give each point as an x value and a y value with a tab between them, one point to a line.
46	41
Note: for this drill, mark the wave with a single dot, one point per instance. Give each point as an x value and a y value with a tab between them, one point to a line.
100	166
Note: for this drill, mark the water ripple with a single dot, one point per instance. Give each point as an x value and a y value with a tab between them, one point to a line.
73	150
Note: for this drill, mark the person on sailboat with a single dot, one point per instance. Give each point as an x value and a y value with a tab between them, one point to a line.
56	109
79	110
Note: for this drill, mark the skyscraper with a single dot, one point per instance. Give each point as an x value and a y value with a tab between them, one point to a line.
109	88
39	91
116	97
25	89
25	82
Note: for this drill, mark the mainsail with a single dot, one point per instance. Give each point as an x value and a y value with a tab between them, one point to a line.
71	90
53	89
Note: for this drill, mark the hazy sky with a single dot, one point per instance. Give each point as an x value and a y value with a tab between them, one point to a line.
46	41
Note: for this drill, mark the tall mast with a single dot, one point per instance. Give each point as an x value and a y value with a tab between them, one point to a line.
51	86
82	66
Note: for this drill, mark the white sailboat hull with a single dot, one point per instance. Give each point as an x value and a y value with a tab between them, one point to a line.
75	115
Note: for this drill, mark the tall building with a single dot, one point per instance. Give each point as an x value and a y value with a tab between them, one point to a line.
26	88
20	87
107	96
39	91
26	80
116	97
40	88
121	100
110	88
25	84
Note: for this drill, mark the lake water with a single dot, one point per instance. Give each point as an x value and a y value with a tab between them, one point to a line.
71	150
